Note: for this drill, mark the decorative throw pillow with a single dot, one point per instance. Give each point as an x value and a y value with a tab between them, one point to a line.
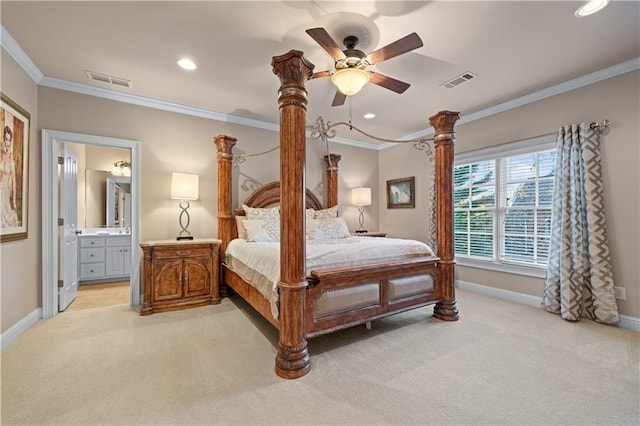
332	228
262	230
242	231
330	213
310	213
260	213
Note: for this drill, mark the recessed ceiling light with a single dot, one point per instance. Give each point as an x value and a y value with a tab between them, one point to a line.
591	7
369	115
187	64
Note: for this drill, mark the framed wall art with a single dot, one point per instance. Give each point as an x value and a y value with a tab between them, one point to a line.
401	193
14	171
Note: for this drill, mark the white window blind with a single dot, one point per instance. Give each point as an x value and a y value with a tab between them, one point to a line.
502	203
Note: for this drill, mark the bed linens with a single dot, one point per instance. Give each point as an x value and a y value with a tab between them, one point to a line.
259	262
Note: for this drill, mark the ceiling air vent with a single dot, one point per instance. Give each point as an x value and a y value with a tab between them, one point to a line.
456	81
103	78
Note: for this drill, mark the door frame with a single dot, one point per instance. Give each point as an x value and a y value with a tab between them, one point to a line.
49	228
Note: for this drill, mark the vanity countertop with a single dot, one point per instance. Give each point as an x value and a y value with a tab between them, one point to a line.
102	232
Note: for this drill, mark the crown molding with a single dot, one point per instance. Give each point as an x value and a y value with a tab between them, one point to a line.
19	55
585	80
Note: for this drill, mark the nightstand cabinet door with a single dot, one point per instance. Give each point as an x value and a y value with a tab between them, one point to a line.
196	277
167	280
180	275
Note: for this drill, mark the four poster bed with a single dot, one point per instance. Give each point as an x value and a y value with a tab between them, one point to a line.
321	300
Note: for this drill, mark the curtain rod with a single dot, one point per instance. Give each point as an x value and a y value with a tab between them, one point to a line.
600	126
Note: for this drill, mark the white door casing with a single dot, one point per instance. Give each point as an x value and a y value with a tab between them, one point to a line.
49	229
68	238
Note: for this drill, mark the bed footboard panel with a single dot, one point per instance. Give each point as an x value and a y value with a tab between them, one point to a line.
338	298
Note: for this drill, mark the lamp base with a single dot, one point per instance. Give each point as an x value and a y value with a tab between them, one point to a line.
184	237
361	231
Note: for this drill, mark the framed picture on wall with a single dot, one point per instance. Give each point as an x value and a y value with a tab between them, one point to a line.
401	193
14	171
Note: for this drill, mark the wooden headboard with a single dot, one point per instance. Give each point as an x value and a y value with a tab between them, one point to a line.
264	196
269	194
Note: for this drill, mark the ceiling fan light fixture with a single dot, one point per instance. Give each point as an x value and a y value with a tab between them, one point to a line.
591	7
350	80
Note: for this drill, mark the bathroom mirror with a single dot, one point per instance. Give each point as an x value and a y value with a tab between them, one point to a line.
107	200
118	202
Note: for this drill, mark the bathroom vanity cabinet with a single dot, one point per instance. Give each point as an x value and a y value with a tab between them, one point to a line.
104	257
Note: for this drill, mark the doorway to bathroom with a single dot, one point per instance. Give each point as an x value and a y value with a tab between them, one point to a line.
115	253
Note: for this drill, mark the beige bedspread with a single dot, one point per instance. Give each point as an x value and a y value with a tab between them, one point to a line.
258	263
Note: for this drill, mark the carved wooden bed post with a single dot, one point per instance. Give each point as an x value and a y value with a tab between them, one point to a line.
444	140
293	70
332	161
226	221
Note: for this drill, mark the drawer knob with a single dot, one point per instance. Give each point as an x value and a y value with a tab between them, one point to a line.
183	252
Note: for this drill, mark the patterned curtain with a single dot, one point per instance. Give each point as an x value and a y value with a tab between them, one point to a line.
579	281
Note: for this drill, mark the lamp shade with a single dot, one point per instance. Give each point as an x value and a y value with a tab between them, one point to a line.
184	186
361	196
350	80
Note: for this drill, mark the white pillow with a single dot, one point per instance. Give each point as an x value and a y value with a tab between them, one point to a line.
242	231
310	213
260	213
332	228
262	230
331	212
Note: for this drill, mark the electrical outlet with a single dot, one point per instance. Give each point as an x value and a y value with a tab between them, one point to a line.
620	292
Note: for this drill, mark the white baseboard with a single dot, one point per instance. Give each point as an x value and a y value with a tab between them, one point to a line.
626	321
17	329
631	323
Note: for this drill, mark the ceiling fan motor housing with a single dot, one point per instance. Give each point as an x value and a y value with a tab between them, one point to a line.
354	58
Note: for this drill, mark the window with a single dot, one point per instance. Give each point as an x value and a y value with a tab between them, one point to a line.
502	206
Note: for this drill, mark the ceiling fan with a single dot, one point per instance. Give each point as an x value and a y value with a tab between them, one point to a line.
350	74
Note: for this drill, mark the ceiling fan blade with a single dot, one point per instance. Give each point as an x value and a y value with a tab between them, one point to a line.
398	47
321	74
339	98
322	37
388	82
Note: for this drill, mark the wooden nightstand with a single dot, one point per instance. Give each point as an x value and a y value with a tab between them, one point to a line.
180	274
370	234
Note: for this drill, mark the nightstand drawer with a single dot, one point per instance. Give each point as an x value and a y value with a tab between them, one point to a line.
186	251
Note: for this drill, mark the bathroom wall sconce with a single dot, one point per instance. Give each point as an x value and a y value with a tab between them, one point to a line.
121	168
184	187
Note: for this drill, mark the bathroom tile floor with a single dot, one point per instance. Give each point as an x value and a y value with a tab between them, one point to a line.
100	295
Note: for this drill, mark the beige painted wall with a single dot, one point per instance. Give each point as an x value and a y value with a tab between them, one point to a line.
616	99
169	142
20	260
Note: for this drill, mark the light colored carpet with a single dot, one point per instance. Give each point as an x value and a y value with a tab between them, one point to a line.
502	363
101	294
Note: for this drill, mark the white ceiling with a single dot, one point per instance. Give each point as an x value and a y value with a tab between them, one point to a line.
516	48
